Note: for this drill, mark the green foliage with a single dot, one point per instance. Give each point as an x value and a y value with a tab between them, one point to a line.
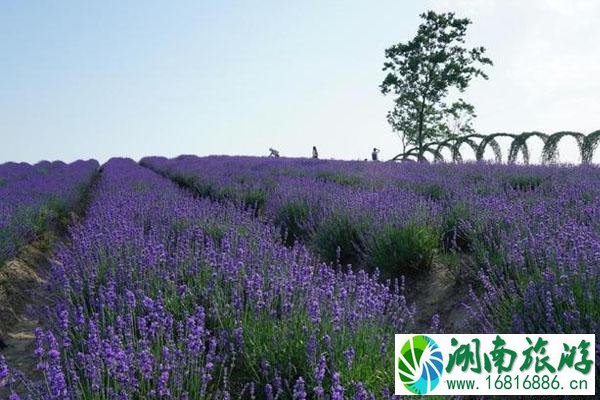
39	219
202	188
225	193
453	262
423	70
587	197
292	219
524	182
179	226
486	190
339	178
53	214
290	355
433	191
455	235
254	198
262	329
398	250
524	289
216	231
340	231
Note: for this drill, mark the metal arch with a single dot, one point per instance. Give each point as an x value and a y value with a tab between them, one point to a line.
495	148
434	153
589	146
414	152
491	140
515	147
404	156
520	144
456	156
468	140
549	153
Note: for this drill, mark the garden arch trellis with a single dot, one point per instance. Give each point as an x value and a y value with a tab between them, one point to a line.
587	145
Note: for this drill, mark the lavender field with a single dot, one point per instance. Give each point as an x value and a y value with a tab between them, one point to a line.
33	196
264	278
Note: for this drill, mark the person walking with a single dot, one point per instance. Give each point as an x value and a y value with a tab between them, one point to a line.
374	154
273	152
315	153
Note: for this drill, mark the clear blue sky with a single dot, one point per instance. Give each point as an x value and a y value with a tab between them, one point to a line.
85	79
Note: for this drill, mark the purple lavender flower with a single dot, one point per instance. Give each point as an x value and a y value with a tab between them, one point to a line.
349	356
3	371
163	293
337	391
299	390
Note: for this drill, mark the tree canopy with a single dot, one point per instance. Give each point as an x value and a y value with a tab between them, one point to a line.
420	74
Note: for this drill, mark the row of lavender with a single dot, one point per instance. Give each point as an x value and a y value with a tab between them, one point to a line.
345	212
529	236
164	295
33	196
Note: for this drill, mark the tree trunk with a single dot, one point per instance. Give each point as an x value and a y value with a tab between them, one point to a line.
420	132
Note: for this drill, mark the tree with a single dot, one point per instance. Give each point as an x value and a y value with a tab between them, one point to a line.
421	73
457	120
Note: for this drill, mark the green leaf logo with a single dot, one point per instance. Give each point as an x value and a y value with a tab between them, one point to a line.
420	364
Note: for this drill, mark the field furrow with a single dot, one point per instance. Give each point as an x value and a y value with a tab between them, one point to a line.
526	240
160	294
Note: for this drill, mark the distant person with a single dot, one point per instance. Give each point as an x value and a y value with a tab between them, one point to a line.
315	153
274	153
374	154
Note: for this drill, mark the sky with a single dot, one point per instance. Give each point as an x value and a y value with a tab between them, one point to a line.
85	80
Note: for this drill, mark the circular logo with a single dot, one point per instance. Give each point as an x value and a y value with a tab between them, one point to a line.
420	364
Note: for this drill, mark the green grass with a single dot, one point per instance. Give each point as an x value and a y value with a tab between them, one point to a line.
255	199
293	334
292	218
339	178
400	250
280	339
455	235
225	193
524	182
433	191
340	232
201	188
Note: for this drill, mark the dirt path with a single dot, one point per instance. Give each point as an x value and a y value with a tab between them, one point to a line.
20	345
21	292
20	283
437	291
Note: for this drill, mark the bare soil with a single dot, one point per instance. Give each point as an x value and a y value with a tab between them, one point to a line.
21	291
20	284
438	291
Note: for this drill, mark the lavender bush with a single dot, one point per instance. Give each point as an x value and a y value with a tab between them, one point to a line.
33	196
235	288
325	204
531	235
163	295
